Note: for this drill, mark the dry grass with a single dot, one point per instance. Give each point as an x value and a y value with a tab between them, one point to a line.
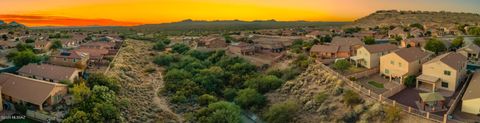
139	87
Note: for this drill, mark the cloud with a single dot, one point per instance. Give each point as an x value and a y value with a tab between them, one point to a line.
40	20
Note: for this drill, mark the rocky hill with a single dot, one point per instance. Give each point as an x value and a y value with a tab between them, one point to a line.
13	24
426	18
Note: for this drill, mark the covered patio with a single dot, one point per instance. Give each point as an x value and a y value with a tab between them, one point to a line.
430	80
358	60
393	77
432	102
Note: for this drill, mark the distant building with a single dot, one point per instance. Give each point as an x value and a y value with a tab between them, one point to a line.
413	42
347	44
471	51
242	48
213	42
7	45
398	31
326	51
42	45
69	59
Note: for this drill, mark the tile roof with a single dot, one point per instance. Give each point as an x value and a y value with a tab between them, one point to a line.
471	48
324	48
347	41
48	71
26	89
452	59
411	54
380	48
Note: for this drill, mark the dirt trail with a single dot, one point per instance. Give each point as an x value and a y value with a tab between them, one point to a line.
140	88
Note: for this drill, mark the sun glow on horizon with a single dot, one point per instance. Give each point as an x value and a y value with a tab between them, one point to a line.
128	12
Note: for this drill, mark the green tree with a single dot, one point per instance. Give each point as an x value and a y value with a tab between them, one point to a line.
457	42
56	45
248	98
219	112
24	57
80	92
101	79
417	25
159	46
476	41
435	46
77	117
229	93
206	99
410	81
474	31
393	114
264	83
23	47
163	59
341	65
29	40
282	112
369	40
180	48
105	112
102	94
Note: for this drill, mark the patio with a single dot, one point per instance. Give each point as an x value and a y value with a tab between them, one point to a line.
378	79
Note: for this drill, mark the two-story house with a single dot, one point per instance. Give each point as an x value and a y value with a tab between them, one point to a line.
444	72
471	51
402	63
369	55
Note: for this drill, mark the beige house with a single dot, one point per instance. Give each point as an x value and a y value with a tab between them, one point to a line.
51	73
369	55
69	59
443	72
19	89
472	52
471	98
402	63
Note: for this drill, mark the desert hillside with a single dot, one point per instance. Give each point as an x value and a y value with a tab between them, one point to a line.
405	18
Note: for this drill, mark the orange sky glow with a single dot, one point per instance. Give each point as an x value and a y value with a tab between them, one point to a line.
135	12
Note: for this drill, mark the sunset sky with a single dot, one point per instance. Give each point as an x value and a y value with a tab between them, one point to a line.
134	12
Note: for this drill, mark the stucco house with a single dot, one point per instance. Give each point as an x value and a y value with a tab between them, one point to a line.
48	72
471	98
402	63
69	58
471	51
242	48
327	51
213	42
446	72
369	55
413	42
347	44
19	89
397	31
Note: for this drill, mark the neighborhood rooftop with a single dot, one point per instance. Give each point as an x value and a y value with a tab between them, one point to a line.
48	71
380	48
411	54
472	91
27	89
452	59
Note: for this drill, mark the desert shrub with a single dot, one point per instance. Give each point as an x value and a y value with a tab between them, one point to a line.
219	112
320	97
150	70
159	46
351	98
350	117
206	99
163	59
338	91
179	98
352	78
264	84
341	65
180	48
392	114
283	112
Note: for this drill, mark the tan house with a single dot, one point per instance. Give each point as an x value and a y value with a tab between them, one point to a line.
325	51
42	45
471	51
19	89
402	63
471	98
317	33
445	72
369	55
413	42
51	73
398	31
347	44
242	48
213	42
69	59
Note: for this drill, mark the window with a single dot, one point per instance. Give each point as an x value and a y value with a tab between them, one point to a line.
391	62
445	84
387	71
446	72
400	64
74	60
64	59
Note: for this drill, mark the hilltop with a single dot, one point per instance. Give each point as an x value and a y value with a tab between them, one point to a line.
12	24
405	18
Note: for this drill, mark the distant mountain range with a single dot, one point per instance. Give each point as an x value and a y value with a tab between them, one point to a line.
194	25
12	24
405	18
